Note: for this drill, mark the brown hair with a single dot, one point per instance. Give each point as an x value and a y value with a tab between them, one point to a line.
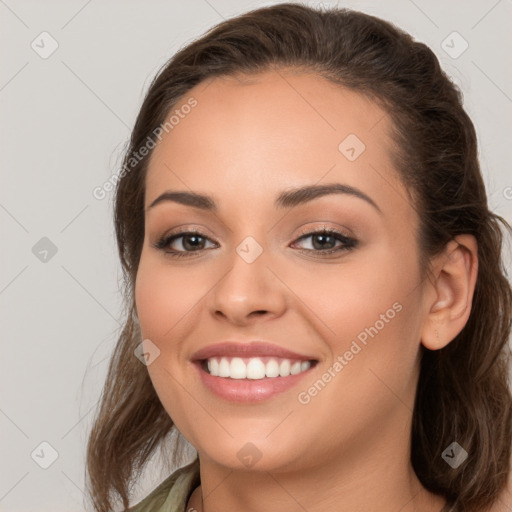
463	392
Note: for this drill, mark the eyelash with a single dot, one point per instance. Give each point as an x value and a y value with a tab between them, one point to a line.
348	243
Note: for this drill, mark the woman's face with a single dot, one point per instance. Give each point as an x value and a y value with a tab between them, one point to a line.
352	302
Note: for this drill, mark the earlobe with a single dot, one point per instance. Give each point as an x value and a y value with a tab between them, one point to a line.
449	305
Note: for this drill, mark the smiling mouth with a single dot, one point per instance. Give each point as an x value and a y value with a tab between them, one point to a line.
254	368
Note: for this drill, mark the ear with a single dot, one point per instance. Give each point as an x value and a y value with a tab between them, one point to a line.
449	297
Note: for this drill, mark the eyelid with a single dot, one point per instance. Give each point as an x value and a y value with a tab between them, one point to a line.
187	228
348	242
164	240
315	229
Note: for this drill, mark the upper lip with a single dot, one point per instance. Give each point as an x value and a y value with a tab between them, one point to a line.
251	349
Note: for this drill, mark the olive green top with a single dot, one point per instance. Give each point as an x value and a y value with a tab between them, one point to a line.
173	493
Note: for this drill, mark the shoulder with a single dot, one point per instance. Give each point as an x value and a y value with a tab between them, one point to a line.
171	495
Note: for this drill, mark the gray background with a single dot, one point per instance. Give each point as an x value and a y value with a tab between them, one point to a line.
64	121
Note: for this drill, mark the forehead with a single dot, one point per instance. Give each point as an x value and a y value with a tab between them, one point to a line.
255	134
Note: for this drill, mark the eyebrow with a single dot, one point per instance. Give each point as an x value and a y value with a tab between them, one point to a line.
287	199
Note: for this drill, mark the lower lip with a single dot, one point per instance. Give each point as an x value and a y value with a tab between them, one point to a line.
248	390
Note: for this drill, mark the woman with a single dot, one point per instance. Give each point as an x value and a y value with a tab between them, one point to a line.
315	294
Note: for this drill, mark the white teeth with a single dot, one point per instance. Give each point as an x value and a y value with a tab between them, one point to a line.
255	368
284	368
295	368
213	367
237	368
305	365
272	368
224	370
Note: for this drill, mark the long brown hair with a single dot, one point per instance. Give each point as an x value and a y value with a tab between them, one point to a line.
463	393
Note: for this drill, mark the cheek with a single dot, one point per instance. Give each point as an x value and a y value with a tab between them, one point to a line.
352	296
389	329
370	315
374	352
164	296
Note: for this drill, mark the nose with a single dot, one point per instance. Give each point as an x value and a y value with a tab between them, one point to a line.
248	292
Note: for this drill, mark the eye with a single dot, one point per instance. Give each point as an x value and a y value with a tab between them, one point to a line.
182	244
324	241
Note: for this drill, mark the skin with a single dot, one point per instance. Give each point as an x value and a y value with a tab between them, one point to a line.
246	141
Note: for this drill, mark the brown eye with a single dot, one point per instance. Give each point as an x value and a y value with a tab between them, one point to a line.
180	244
324	241
192	242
